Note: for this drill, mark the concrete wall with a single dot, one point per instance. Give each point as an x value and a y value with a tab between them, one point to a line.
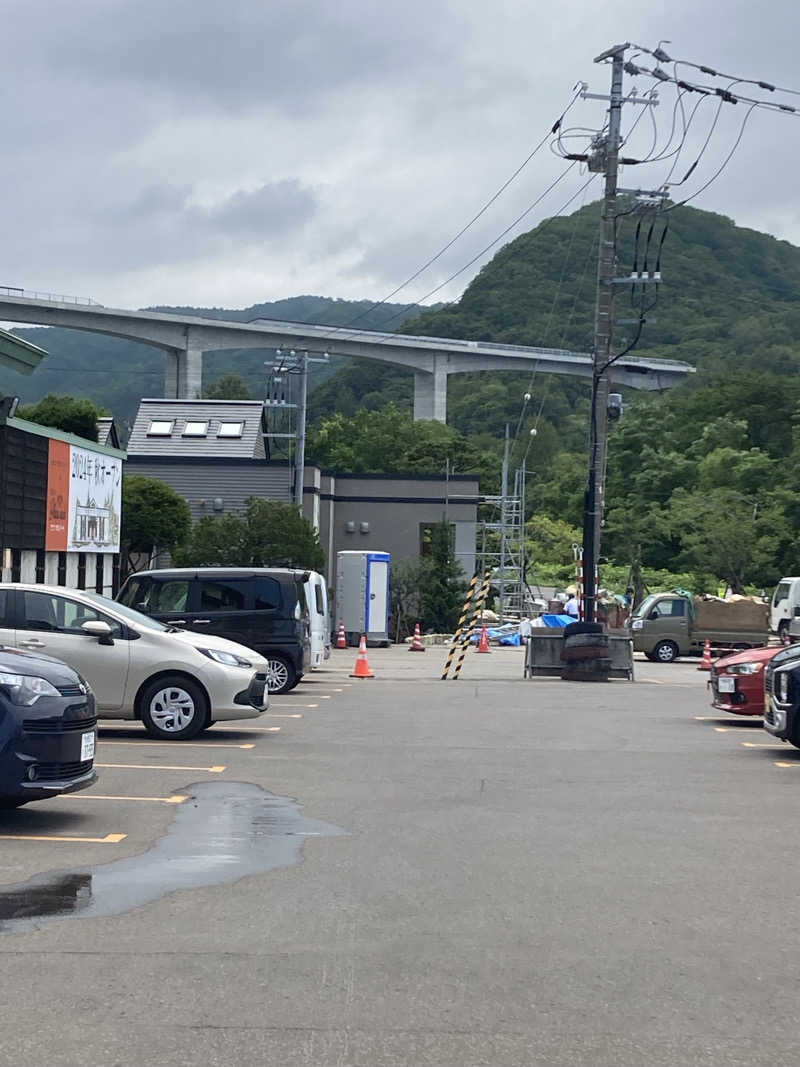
376	513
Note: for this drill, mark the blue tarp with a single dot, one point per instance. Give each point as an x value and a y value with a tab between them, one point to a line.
557	621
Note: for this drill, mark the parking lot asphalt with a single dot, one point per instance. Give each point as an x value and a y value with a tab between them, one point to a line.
525	872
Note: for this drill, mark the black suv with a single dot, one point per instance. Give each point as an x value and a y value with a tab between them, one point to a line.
782	695
48	728
261	608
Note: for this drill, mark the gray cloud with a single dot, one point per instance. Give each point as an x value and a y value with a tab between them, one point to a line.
208	153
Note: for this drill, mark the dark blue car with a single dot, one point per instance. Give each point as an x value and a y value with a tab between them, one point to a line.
48	728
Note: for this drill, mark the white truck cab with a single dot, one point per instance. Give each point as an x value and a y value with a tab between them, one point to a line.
784	606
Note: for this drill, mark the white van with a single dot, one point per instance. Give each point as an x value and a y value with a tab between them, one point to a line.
785	602
317	601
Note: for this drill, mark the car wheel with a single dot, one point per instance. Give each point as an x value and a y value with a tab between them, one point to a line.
174	709
783	630
665	652
281	676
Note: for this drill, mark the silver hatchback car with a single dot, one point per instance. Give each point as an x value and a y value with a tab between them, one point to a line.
176	682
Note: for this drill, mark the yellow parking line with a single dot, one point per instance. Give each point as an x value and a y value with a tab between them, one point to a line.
758	744
109	839
296	715
171	744
780	763
722	729
259	729
293	705
159	767
176	798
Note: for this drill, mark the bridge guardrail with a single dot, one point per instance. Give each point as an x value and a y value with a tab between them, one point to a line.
55	298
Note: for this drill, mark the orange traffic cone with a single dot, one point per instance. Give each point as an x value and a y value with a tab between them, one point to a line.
362	665
416	641
483	644
705	662
341	640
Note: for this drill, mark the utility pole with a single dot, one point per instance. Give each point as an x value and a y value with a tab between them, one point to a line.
604	157
503	530
300	450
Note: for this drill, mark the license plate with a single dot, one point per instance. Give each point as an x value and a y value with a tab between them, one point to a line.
87	746
726	684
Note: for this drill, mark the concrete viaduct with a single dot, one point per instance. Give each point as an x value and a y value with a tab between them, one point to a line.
184	338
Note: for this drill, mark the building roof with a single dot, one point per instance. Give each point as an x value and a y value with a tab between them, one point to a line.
107	432
199	428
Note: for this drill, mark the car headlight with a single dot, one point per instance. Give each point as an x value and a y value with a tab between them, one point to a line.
782	680
637	624
26	690
230	659
745	668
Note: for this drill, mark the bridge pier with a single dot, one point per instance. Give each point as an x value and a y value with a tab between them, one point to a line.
183	373
430	393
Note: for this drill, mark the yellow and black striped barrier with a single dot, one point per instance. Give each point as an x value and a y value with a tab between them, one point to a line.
465	611
480	600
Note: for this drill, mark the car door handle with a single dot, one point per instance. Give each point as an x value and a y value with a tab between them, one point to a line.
177	622
33	642
194	621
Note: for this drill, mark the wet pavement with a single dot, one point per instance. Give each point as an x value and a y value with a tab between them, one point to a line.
224	831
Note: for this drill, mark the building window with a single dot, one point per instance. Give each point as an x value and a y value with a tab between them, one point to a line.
81	570
160	428
230	429
195	429
16	564
40	557
62	568
426	537
99	573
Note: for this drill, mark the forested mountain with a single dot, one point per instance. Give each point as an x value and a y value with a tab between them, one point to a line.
701	478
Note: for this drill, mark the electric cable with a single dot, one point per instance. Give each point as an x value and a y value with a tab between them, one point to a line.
551	131
720	169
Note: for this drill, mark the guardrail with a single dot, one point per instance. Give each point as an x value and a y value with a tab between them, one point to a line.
16	293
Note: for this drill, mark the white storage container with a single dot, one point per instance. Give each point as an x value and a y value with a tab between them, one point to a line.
362	596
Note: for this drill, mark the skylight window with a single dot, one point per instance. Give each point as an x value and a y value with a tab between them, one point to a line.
195	429
160	428
230	429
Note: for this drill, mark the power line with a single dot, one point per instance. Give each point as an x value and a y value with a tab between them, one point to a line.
551	131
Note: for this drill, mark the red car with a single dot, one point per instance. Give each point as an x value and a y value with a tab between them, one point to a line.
737	681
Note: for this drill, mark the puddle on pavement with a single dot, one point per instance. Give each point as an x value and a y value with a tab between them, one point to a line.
223	832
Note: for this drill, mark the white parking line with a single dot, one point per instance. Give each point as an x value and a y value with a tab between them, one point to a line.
109	839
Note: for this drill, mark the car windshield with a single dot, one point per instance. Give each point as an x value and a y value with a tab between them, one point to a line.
134	617
644	607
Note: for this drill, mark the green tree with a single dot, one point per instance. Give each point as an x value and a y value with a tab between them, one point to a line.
443	592
228	387
154	518
266	534
409	581
76	415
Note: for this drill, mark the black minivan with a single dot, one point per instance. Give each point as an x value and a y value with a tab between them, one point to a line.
262	608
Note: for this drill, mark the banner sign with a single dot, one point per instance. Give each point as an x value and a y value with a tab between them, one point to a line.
84	500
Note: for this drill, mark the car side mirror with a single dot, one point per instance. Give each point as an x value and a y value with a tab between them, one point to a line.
99	629
143	607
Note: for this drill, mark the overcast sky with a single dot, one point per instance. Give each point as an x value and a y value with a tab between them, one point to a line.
176	152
